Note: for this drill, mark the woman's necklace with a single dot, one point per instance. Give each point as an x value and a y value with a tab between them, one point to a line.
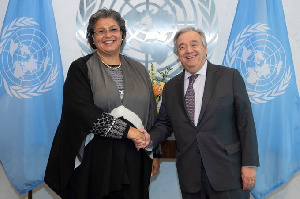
108	66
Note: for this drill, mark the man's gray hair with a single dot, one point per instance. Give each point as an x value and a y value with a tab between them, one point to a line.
188	29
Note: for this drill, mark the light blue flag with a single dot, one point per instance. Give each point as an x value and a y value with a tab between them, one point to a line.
31	81
259	48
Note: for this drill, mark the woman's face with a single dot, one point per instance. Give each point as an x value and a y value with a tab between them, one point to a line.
107	36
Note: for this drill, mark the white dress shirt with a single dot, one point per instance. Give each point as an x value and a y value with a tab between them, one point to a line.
198	88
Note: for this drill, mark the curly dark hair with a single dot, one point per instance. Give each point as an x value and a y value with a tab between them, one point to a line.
104	13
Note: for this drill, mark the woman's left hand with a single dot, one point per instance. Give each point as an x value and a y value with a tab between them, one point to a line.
155	166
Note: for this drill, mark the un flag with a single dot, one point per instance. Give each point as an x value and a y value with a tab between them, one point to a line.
31	82
259	48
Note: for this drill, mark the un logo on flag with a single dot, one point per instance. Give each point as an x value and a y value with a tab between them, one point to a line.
151	26
26	60
261	60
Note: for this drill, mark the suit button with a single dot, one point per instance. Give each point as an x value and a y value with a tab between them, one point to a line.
198	151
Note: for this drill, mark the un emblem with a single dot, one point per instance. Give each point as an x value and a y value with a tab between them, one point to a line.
261	59
26	60
151	26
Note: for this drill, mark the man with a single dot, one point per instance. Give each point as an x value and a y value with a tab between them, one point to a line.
216	145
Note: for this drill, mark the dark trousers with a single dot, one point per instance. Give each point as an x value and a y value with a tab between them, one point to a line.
207	191
114	195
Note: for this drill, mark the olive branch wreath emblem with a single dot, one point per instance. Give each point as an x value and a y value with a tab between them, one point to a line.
209	22
19	91
230	56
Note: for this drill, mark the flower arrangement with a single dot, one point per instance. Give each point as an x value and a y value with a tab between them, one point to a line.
158	83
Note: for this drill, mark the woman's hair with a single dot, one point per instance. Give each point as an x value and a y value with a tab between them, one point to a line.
100	14
188	29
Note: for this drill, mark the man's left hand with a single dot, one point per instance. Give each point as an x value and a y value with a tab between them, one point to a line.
248	177
155	166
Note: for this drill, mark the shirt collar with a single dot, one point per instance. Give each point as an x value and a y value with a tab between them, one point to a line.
202	71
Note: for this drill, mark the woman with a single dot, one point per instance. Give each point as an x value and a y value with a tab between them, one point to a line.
107	98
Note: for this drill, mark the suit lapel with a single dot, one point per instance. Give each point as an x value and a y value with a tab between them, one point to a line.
180	88
211	80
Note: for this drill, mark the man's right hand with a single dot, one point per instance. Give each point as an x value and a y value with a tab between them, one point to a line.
147	137
141	144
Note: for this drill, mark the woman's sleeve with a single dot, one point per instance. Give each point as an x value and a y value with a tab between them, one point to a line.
108	126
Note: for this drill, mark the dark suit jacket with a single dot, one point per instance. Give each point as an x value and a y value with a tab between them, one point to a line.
225	137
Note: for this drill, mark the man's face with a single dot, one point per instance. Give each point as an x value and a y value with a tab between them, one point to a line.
191	52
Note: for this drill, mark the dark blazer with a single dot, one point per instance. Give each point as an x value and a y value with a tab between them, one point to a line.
225	137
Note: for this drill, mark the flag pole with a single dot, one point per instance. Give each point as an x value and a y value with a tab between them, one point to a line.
30	194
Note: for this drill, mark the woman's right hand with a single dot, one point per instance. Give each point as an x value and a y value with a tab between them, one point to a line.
135	135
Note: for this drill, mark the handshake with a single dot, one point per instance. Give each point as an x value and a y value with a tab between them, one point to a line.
140	137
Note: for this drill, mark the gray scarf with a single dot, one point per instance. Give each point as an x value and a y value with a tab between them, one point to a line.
138	105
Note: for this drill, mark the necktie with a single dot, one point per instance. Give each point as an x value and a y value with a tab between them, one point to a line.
190	98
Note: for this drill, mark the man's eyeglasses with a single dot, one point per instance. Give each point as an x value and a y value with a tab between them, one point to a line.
102	32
